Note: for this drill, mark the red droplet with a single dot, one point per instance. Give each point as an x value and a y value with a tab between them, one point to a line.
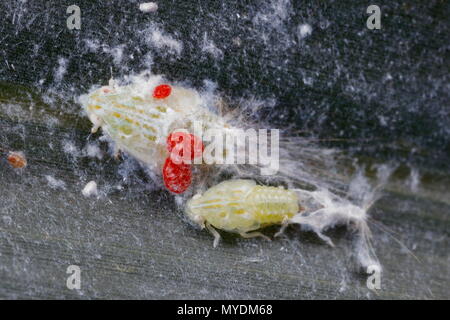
178	142
177	177
162	91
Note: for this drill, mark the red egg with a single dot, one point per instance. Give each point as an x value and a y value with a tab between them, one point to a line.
179	142
177	177
162	91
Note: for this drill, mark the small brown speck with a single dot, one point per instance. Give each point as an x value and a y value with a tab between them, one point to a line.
16	159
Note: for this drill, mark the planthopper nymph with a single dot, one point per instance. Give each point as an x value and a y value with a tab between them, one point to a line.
242	206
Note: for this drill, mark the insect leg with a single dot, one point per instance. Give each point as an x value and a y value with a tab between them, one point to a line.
284	225
97	124
248	235
214	233
117	152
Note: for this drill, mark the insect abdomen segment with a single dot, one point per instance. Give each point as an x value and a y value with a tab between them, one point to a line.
271	205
